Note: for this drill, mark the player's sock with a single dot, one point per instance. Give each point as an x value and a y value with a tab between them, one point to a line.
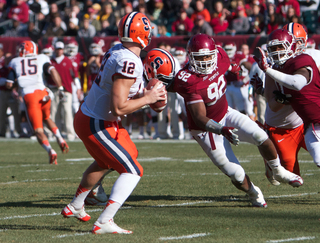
274	163
57	134
78	199
121	190
141	130
46	145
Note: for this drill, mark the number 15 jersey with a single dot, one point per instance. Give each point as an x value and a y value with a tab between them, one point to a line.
29	72
207	88
117	61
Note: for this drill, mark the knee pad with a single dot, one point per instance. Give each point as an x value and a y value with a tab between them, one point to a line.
259	136
234	171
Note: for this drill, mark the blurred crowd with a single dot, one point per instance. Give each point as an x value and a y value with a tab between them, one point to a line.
89	18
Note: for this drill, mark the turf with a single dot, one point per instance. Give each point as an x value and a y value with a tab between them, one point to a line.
182	197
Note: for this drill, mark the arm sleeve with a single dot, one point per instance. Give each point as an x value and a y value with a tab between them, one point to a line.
46	68
12	75
295	82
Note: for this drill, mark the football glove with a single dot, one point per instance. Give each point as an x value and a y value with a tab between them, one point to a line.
257	84
262	61
235	68
280	98
229	133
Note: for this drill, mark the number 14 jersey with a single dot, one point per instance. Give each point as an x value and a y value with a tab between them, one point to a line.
207	88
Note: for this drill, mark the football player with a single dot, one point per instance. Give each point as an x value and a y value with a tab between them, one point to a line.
298	81
117	91
28	70
203	85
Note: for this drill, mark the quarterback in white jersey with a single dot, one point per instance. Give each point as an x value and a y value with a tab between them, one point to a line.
117	91
28	70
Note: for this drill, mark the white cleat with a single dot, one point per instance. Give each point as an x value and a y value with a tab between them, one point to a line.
270	177
283	175
69	211
97	196
257	198
108	228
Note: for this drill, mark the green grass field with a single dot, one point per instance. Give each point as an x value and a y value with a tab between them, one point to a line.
182	197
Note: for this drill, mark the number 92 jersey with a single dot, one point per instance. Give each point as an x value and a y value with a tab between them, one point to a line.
117	61
207	88
29	72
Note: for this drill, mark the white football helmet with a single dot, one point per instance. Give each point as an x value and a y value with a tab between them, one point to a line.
48	50
71	48
230	48
181	54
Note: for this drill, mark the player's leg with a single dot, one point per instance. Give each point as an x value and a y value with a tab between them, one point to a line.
68	116
35	116
250	132
4	100
312	139
219	151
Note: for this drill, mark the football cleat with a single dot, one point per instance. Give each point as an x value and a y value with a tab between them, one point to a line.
69	211
108	228
63	146
283	175
53	157
97	196
257	198
270	177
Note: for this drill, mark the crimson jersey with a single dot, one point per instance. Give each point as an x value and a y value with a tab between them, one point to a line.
77	61
238	58
305	102
94	70
210	89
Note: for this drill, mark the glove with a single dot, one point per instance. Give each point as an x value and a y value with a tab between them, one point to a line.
235	68
280	98
229	133
262	62
257	84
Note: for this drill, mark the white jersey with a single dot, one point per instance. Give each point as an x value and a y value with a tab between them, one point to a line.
315	54
118	60
29	72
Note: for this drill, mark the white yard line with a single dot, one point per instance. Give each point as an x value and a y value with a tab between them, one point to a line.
292	239
185	236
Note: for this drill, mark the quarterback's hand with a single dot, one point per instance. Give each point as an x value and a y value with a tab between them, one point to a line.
229	133
257	84
280	98
262	61
234	68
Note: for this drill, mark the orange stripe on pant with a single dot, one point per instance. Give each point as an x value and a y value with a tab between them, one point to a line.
37	110
109	145
288	143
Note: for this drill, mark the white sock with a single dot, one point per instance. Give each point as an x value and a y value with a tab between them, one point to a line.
181	128
141	130
78	200
274	163
121	190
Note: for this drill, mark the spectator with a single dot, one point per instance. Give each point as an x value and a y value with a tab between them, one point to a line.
87	30
186	6
309	14
119	10
33	32
284	6
162	31
240	23
256	21
54	11
61	110
219	23
55	29
201	26
274	21
157	16
3	13
108	15
73	27
94	18
143	9
17	30
183	25
200	10
19	11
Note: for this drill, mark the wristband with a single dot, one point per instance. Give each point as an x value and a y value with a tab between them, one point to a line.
61	88
214	127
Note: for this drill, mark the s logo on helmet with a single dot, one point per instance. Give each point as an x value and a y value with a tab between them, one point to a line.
146	24
157	62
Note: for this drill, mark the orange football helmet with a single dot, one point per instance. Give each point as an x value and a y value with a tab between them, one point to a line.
300	34
135	27
28	48
159	64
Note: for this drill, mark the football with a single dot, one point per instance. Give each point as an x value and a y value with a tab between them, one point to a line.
161	104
